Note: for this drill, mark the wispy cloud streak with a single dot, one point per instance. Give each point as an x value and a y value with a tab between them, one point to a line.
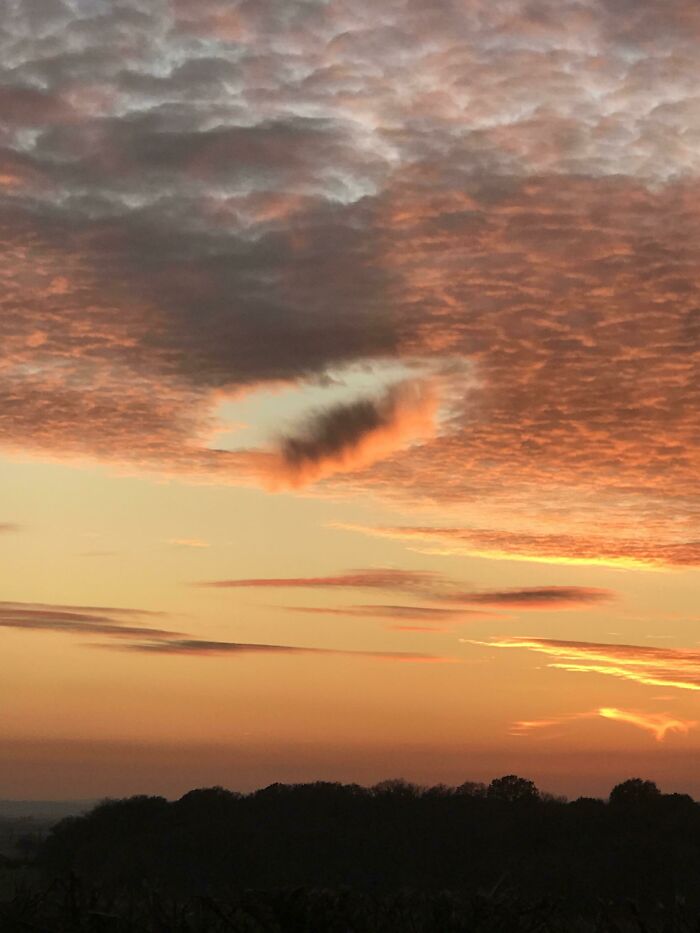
120	625
548	548
657	724
79	620
537	597
202	647
657	667
432	618
382	579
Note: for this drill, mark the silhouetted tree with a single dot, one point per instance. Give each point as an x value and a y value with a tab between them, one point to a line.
634	793
512	789
471	789
397	788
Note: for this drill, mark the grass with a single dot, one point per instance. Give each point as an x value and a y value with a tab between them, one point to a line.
68	905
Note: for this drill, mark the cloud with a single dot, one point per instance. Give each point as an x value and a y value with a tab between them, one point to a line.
537	597
123	626
651	666
351	436
383	579
8	527
247	200
658	724
188	542
200	647
79	620
114	611
550	548
440	618
433	587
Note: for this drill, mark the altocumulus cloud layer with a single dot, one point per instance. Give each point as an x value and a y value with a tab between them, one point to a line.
203	199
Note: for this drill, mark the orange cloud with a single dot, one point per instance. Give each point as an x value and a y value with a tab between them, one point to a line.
657	667
572	549
658	724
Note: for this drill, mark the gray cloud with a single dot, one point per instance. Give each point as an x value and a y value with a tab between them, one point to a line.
194	646
80	620
537	597
126	632
356	434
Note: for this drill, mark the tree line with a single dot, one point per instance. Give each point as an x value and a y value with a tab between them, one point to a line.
639	844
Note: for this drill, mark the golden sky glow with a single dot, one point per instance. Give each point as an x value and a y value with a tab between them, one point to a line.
343	346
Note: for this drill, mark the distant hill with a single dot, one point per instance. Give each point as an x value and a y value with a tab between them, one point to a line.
43	809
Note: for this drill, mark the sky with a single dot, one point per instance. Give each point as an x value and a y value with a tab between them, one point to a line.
349	393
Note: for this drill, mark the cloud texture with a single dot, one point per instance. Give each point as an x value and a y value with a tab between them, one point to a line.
201	200
581	547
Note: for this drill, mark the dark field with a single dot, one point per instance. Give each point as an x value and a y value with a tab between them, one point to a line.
69	907
345	859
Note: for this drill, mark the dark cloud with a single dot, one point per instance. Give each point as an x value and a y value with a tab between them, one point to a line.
355	434
8	527
112	611
334	431
124	626
537	597
26	106
194	646
79	620
529	598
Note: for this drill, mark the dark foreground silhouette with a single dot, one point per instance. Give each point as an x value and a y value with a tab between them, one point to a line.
342	858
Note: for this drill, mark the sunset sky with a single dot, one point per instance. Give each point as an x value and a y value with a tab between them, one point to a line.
349	393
